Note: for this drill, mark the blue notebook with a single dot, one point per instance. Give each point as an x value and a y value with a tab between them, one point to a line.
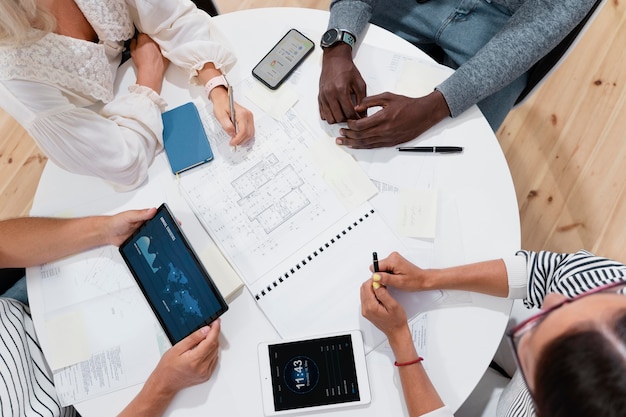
184	138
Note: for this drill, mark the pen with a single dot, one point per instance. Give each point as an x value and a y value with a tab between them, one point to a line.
375	258
231	103
431	149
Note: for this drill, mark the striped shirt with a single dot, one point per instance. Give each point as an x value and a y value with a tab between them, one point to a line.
26	384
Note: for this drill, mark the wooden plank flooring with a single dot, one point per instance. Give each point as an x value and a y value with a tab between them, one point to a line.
566	145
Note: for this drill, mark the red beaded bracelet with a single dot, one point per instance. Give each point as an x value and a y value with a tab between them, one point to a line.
418	360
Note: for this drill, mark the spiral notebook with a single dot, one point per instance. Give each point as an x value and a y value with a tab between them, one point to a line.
317	290
282	221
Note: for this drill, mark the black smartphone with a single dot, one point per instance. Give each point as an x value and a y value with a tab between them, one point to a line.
283	59
175	283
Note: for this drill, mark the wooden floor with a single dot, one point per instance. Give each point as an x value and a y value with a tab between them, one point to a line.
566	145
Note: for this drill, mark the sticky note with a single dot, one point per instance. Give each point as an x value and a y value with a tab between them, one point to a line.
417	213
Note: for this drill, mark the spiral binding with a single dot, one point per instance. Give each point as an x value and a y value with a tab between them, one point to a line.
309	258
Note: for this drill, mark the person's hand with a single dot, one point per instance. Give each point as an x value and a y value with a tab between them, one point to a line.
400	119
397	272
379	307
190	361
243	117
150	63
341	85
119	227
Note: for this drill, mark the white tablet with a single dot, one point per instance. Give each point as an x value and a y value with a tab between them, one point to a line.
316	374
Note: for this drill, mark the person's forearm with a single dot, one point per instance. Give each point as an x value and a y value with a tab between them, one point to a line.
35	240
438	106
207	72
340	52
151	79
150	402
489	277
420	395
532	32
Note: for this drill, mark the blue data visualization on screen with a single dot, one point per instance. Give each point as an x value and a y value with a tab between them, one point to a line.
177	288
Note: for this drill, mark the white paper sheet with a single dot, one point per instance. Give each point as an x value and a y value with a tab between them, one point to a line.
417	213
269	198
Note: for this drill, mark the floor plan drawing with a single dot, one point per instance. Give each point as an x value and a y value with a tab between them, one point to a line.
270	195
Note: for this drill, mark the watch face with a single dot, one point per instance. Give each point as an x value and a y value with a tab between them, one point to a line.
330	37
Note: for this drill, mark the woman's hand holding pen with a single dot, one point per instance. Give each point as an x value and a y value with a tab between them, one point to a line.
379	307
236	120
397	272
244	120
488	277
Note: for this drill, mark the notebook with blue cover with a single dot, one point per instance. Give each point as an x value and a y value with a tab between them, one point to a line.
184	138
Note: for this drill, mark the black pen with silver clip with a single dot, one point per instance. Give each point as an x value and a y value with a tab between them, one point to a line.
431	149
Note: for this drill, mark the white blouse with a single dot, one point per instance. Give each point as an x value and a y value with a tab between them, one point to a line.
60	89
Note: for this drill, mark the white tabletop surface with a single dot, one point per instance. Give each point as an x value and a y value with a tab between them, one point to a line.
476	189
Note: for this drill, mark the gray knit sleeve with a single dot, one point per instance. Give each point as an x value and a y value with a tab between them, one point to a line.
533	30
350	15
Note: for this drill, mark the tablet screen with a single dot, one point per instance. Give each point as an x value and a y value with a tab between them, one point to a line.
313	372
173	280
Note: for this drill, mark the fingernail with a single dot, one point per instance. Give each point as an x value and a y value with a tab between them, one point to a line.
375	285
339	142
376	277
204	330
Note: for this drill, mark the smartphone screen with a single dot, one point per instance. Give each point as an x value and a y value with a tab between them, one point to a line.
283	59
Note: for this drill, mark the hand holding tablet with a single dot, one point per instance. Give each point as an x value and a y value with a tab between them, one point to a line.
313	374
178	288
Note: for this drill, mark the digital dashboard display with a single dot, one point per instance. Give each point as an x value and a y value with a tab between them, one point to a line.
176	285
313	372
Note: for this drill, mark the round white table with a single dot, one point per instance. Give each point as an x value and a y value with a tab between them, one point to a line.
479	220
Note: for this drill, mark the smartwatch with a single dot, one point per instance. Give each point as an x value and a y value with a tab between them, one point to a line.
334	36
218	81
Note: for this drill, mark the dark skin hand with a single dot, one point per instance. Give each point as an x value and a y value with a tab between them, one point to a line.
341	85
399	120
343	97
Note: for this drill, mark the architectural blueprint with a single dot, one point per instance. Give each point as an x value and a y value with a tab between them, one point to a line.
265	200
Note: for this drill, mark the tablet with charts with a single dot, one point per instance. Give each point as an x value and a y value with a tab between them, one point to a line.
175	283
315	374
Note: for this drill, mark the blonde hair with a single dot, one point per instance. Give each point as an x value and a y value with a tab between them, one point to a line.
19	17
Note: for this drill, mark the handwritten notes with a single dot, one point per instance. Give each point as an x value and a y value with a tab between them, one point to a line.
417	213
